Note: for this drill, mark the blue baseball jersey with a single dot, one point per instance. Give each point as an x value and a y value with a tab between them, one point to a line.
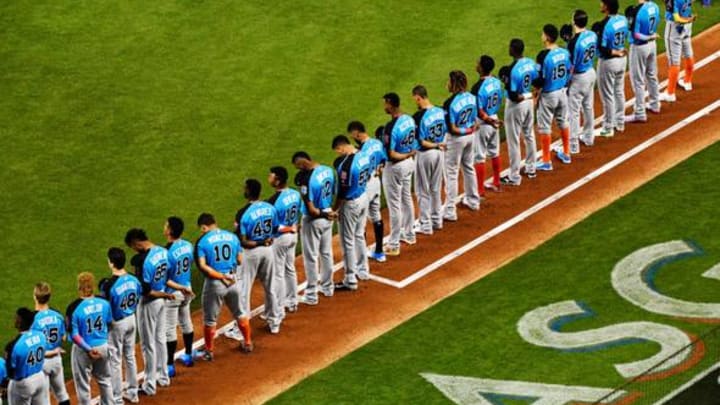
645	22
3	370
123	293
318	187
375	150
257	221
522	74
461	110
431	125
554	67
220	250
26	355
353	172
583	50
180	258
490	95
155	268
614	35
289	206
90	318
399	135
50	323
681	7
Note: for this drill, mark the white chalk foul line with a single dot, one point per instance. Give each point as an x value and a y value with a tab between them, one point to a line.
459	252
688	384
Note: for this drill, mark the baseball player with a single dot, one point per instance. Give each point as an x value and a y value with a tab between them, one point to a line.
218	255
643	21
431	130
25	357
462	121
374	148
151	267
582	45
123	292
288	205
256	224
554	68
179	284
88	319
611	68
678	42
519	119
400	145
51	323
317	188
353	172
489	94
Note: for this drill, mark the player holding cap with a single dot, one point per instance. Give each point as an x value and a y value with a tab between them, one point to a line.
490	94
317	188
353	172
288	204
611	68
678	42
218	255
431	130
256	224
643	20
88	320
519	119
554	68
400	145
583	50
372	147
179	284
462	122
25	359
123	292
51	324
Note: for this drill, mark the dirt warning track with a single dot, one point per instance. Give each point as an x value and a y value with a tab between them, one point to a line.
316	336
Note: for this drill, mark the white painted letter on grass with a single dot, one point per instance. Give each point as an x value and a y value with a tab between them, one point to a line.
633	278
540	327
482	391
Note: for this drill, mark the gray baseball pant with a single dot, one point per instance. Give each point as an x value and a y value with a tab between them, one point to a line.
259	263
428	186
678	44
643	71
351	229
373	192
460	153
151	324
84	368
519	119
581	101
397	182
285	274
486	142
32	390
611	81
53	369
552	105
317	241
177	311
121	342
214	294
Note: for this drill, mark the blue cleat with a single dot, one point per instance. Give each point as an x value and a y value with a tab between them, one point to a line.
187	360
378	257
171	371
563	158
545	167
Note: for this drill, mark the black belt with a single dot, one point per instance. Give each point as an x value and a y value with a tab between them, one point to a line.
639	43
395	161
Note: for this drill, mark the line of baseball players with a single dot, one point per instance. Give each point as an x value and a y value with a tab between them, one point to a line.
431	147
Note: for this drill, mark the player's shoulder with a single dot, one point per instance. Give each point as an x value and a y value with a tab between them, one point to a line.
70	311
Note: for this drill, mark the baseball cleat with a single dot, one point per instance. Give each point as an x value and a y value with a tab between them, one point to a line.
328	294
291	308
391	251
587	141
684	85
378	257
408	240
346	287
234	334
467	205
187	360
668	98
163	383
652	110
605	133
307	301
509	182
563	158
620	129
134	399
495	188
634	119
171	371
249	347
544	166
274	329
417	228
363	276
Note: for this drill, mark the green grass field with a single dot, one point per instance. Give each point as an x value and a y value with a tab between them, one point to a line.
118	114
474	332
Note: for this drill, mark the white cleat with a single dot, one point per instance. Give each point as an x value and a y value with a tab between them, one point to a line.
668	98
684	85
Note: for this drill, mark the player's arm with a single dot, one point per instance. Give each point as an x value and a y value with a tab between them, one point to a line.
75	335
679	18
179	287
209	271
395	155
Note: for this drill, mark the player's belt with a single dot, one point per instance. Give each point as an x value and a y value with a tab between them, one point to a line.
258	246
